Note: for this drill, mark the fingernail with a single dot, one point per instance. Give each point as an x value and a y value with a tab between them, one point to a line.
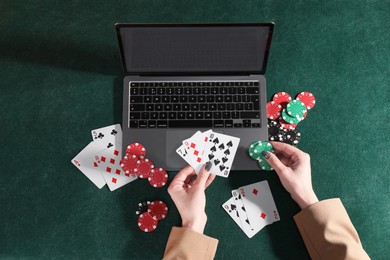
208	166
265	154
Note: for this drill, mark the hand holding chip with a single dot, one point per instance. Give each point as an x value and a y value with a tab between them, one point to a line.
293	168
187	191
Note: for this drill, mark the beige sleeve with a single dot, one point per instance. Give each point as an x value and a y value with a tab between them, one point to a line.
328	232
184	243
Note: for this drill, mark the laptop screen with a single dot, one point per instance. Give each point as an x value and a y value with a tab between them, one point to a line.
194	48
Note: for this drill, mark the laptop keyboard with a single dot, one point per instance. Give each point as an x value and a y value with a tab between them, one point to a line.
194	104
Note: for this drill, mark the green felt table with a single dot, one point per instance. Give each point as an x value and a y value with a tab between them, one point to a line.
60	77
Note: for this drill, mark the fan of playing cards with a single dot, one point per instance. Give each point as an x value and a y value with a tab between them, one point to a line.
217	148
252	207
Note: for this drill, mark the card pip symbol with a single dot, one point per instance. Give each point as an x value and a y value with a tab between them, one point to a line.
255	191
263	215
113	180
116	152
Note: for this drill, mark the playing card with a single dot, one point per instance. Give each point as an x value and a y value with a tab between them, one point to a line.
231	209
108	136
259	204
85	162
220	150
195	146
183	152
245	224
109	165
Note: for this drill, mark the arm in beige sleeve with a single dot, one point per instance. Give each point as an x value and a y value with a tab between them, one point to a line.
184	243
328	232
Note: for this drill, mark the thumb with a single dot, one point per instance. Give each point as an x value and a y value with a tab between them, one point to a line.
203	175
274	161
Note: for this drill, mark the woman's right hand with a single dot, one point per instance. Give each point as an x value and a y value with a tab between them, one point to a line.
294	171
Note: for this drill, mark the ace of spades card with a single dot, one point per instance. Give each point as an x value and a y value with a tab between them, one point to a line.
220	150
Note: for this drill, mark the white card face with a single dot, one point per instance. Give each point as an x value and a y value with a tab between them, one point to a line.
107	136
85	162
109	165
259	204
245	224
231	209
182	152
195	146
220	151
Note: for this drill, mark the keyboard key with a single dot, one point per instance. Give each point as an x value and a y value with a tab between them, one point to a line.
188	91
217	115
210	99
174	99
255	124
212	106
183	99
214	91
241	90
142	123
158	107
246	98
237	98
235	115
165	99
237	124
208	115
167	107
190	123
185	107
246	123
172	115
135	115
203	107
218	98
153	115
152	91
134	84
228	123
218	123
148	99
161	91
192	99
230	106
190	115
226	115
136	99
143	91
178	91
248	115
149	107
133	124
221	107
228	98
163	115
181	115
162	124
223	90
205	90
137	107
197	91
252	90
248	106
176	107
232	90
256	83
152	124
194	107
156	99
133	91
170	91
201	99
239	106
145	115
199	115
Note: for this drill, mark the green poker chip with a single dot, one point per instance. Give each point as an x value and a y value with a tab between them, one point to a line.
289	119
296	108
254	150
264	165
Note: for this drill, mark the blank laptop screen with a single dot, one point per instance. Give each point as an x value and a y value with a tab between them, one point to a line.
194	49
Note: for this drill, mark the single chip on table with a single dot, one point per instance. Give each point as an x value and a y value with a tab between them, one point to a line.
296	108
307	98
146	222
273	110
136	148
144	168
129	164
158	209
158	177
142	207
282	98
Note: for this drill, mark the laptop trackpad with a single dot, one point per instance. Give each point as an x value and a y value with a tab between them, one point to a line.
174	140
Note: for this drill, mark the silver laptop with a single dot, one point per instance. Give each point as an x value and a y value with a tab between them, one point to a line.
183	78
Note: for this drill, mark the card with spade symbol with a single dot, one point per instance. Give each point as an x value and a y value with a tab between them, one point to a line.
220	150
107	136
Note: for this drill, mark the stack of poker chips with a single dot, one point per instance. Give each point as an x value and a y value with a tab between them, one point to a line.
255	152
150	213
135	163
285	114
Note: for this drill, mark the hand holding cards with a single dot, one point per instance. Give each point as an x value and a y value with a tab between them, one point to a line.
217	148
252	207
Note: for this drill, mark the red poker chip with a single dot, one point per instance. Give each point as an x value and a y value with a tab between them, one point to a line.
146	222
282	98
129	164
308	99
144	168
158	178
136	148
273	110
158	209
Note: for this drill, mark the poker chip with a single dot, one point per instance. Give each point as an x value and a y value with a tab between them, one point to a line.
296	109
146	222
158	177
144	168
142	207
136	149
158	209
282	98
307	98
253	150
275	131
273	110
289	119
264	165
129	164
292	137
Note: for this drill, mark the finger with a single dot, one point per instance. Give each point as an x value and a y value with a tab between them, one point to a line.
202	177
210	180
285	149
182	175
275	163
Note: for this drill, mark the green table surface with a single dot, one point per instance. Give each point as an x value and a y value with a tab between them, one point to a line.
60	77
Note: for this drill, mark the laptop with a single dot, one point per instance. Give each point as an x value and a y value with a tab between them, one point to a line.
183	78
